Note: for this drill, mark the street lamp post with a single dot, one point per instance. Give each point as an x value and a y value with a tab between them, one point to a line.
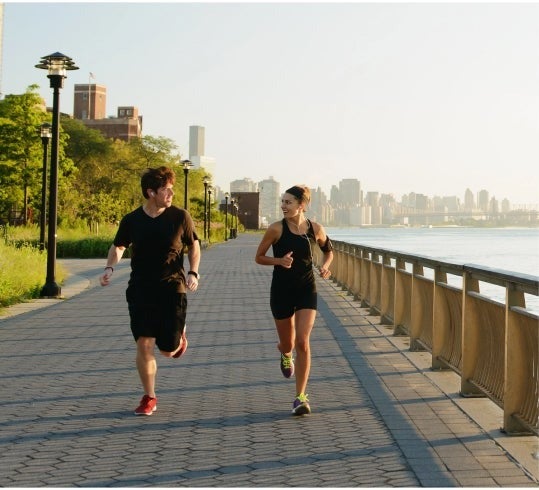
209	215
45	133
206	181
236	209
57	64
227	195
232	207
186	166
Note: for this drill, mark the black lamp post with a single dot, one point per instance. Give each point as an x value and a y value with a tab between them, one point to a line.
236	208
227	195
206	182
186	166
57	64
232	207
45	133
209	214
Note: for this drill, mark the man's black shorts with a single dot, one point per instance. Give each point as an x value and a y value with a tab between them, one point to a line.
159	315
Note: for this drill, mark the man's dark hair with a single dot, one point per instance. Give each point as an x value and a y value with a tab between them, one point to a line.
154	178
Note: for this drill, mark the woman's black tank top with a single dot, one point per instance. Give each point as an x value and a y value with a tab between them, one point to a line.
301	272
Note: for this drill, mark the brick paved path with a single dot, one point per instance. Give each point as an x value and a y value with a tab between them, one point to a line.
69	387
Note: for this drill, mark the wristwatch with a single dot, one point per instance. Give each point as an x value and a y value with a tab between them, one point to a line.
193	273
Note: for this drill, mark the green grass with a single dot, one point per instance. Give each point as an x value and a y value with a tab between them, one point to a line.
23	271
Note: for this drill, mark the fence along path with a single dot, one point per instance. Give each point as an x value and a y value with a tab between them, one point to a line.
380	416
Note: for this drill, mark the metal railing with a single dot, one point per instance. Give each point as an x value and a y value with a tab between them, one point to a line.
492	345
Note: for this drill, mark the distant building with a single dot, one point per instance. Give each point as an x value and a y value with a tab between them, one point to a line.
270	199
248	209
197	149
90	101
469	201
483	200
243	185
350	192
196	141
319	209
89	106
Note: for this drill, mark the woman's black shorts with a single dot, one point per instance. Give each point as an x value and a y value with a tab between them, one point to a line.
284	301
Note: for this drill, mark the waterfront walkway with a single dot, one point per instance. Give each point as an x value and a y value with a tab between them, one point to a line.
380	416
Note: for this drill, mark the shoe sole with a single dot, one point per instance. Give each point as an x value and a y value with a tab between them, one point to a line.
184	344
144	413
301	410
288	376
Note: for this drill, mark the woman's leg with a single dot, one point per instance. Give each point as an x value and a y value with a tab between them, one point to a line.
287	335
304	324
146	364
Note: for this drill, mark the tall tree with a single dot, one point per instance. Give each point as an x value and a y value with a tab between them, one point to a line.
21	153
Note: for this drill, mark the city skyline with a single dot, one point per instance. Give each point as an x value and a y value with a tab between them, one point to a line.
426	97
398	198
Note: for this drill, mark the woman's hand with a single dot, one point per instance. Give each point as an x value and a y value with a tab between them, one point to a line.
287	260
324	273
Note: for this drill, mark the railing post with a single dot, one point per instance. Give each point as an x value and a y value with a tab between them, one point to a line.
470	336
418	309
440	319
387	291
516	373
374	284
402	300
365	278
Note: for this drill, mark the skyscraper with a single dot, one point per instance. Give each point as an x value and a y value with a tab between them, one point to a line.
196	141
197	149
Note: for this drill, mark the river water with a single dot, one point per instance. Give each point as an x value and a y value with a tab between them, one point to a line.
509	249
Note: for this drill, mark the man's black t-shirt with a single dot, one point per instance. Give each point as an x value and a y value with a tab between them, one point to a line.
156	247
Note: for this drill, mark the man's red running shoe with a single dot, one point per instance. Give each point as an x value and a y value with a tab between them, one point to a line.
148	406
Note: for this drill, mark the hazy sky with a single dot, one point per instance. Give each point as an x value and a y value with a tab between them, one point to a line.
425	97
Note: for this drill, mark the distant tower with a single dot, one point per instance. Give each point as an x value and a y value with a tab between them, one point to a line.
90	101
197	150
196	141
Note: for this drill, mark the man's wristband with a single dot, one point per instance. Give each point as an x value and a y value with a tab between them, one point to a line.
193	273
109	267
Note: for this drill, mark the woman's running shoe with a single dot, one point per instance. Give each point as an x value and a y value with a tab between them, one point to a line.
301	405
287	366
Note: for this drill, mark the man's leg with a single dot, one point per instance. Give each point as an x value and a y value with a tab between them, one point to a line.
146	364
